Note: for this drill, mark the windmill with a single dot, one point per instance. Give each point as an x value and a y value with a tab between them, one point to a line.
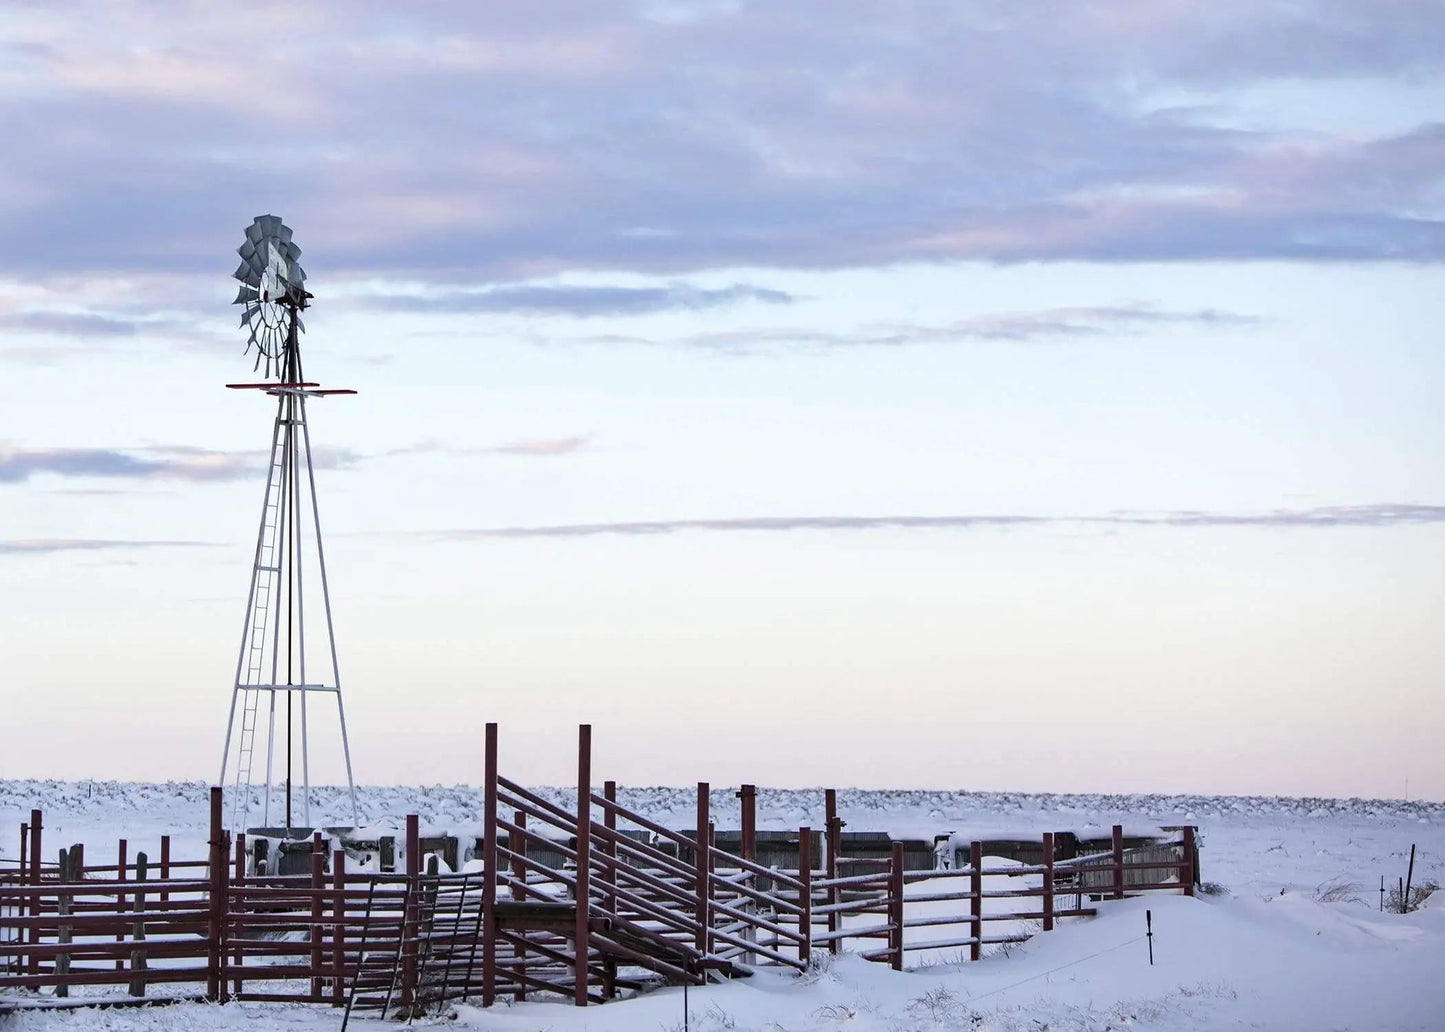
272	666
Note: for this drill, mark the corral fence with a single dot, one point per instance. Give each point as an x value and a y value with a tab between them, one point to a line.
662	907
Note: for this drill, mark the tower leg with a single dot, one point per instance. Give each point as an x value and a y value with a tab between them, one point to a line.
326	604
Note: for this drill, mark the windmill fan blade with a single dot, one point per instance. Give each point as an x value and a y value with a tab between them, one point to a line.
292	251
243	271
246	250
284	233
245	295
254	232
269	224
298	275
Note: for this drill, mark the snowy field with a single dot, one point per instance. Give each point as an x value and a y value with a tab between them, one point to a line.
1293	939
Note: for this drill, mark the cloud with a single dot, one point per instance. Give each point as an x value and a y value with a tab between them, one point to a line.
72	324
541	446
50	546
1015	327
577	301
497	141
1379	515
174	462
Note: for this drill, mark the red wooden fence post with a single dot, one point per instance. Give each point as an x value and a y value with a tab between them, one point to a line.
216	869
609	820
411	915
1048	905
895	907
338	925
609	880
1118	861
318	883
833	836
975	902
584	861
805	894
701	882
748	805
1187	874
36	825
489	867
120	866
519	873
238	877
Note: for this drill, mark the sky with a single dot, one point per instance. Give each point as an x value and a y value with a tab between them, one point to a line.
991	395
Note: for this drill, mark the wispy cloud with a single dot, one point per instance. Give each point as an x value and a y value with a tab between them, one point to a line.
174	462
1378	515
537	446
1008	327
577	300
49	546
72	324
542	446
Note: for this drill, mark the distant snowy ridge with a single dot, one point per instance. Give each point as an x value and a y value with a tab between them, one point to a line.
183	804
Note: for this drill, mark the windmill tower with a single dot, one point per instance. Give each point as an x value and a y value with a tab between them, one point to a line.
274	679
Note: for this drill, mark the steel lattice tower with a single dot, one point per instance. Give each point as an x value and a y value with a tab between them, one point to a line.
272	664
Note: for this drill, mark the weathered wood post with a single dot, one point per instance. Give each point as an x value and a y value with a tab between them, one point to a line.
805	894
747	796
895	907
238	879
701	881
1188	876
1118	861
411	914
63	904
490	873
748	806
582	929
338	926
609	881
426	928
120	869
519	873
216	901
318	884
138	936
36	825
1048	903
165	865
975	901
833	841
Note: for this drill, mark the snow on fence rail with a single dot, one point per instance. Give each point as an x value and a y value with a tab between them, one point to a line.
660	905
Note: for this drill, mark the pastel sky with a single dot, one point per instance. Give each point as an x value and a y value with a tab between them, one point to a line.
984	395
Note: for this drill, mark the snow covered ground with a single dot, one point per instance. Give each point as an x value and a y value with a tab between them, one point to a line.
1267	953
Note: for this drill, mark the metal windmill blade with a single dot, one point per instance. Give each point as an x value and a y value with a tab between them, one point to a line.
272	289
